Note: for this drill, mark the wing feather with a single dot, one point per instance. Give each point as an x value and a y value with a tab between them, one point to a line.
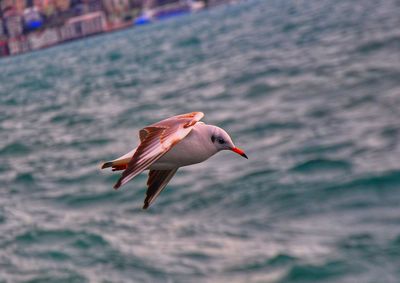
158	179
156	140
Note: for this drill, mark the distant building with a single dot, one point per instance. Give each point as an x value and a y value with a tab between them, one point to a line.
63	5
18	45
93	5
116	9
116	6
45	38
84	25
13	24
2	31
148	4
68	32
80	7
51	7
14	46
25	47
17	5
3	48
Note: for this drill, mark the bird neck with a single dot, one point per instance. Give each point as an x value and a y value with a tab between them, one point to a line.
203	133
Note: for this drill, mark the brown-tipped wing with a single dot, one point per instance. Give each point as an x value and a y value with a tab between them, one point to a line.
156	140
157	181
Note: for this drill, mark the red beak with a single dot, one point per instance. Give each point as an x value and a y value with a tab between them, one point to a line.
240	152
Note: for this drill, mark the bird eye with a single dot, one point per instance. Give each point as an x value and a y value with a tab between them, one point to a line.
213	138
221	141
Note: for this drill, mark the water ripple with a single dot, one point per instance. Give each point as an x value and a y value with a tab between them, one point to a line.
309	89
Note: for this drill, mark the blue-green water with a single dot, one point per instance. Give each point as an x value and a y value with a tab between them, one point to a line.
311	91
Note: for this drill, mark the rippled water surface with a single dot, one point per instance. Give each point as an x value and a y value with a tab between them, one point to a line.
311	91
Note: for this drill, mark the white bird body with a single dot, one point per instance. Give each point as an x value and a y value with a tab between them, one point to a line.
194	148
167	145
191	150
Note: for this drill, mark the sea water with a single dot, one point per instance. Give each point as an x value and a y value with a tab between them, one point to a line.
309	89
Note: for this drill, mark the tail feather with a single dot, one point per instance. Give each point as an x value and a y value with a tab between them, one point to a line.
106	165
119	167
121	163
115	166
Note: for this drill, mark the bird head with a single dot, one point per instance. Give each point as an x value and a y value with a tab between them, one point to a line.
222	141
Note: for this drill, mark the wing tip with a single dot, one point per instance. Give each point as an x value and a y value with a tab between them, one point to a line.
117	185
198	115
147	202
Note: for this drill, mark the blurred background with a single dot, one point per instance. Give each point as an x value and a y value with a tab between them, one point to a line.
27	25
309	89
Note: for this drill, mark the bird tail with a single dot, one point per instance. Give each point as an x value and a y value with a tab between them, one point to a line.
114	165
121	163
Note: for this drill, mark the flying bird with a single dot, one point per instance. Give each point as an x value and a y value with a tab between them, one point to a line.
167	145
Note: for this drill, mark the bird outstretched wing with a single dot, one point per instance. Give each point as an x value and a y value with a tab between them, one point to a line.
156	140
157	181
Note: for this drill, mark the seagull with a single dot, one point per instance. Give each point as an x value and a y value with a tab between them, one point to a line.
167	145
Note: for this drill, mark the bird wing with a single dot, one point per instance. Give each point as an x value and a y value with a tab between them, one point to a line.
157	181
156	140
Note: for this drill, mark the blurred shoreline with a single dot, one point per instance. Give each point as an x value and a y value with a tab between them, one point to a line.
26	27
